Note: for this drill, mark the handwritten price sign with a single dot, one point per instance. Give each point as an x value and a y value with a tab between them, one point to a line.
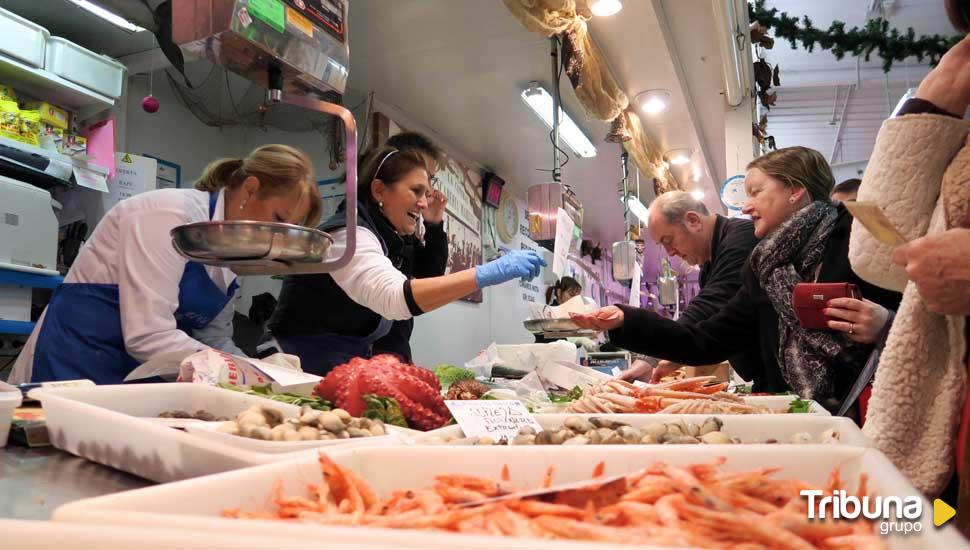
494	419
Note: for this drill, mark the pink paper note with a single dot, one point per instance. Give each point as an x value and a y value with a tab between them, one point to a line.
101	144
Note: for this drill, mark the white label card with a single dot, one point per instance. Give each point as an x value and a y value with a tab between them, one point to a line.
564	238
492	418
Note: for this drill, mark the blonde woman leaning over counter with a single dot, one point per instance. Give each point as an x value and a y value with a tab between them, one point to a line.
130	295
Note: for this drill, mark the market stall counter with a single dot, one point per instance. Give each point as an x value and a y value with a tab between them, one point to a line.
38	480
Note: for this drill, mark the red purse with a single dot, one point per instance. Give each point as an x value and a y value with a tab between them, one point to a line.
809	301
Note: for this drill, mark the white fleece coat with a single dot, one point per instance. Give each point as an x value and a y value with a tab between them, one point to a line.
919	173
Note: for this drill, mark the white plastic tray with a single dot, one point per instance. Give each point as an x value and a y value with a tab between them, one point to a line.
91	70
49	535
22	39
10	399
104	424
196	503
783	401
749	427
208	431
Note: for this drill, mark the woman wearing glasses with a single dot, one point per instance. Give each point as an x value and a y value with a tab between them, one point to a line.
368	306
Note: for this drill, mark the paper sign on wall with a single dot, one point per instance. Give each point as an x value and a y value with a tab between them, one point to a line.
494	419
564	238
134	174
635	285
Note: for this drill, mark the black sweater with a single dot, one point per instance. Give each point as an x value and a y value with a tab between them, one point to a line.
720	279
313	304
746	320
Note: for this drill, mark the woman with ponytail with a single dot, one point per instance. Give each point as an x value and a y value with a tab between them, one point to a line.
130	296
564	290
366	307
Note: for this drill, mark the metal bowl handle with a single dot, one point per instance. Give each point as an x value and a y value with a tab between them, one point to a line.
350	161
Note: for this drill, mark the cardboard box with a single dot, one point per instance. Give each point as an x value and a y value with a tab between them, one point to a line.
50	114
722	371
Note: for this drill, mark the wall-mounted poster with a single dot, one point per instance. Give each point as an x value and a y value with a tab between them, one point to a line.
463	217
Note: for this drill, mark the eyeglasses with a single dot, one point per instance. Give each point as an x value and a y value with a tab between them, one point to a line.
434	181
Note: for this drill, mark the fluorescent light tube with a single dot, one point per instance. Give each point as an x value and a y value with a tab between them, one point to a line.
108	16
540	101
605	8
638	209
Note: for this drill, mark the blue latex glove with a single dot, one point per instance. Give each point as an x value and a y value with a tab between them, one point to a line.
516	264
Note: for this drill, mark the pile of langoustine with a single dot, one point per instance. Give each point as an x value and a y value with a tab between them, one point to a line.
696	395
699	505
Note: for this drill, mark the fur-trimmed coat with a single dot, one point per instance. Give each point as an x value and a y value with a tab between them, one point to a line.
919	173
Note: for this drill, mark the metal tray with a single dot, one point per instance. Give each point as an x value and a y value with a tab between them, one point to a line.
557	328
234	243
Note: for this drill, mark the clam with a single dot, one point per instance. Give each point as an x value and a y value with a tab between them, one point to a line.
578	424
712	424
715	438
578	440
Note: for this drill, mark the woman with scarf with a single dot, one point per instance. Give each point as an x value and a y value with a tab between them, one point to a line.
805	238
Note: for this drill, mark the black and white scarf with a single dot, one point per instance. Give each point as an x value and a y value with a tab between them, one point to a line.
790	255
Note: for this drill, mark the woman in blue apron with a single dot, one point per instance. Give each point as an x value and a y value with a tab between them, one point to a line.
327	319
130	296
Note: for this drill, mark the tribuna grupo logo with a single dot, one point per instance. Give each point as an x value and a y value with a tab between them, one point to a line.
897	514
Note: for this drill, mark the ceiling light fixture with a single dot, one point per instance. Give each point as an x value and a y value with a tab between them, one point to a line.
697	194
605	8
698	173
638	208
678	157
540	101
108	16
653	102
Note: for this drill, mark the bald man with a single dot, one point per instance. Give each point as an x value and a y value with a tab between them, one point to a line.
688	230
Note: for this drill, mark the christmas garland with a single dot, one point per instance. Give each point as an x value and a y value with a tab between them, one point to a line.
890	44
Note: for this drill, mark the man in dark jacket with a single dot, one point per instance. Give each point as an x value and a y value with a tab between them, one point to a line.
686	229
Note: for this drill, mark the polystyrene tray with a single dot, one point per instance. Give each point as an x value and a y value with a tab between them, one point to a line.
49	535
104	424
207	430
776	402
749	427
22	39
10	399
93	71
196	503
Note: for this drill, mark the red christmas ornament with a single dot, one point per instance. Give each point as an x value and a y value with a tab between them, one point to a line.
150	104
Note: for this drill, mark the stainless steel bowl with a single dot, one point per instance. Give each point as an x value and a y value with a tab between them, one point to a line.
235	243
534	325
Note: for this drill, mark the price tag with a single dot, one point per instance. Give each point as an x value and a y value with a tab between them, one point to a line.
494	419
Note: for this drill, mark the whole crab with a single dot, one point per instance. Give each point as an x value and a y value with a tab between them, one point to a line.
417	390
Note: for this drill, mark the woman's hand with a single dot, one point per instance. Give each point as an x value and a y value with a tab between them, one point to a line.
639	370
435	211
939	266
664	368
948	85
604	318
862	320
517	264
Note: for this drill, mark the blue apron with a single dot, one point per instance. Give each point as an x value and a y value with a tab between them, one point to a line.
320	353
81	336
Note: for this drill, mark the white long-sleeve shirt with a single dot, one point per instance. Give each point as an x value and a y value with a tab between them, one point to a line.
370	279
131	247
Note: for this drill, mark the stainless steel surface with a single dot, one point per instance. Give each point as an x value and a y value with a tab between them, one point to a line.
533	325
226	243
350	161
33	482
313	56
556	328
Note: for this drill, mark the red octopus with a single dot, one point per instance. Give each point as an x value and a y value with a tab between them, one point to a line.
416	389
